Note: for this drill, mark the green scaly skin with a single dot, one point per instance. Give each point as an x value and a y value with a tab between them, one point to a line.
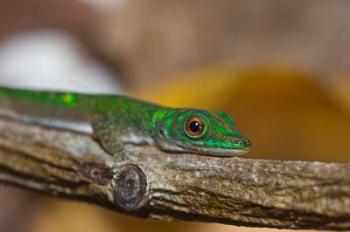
118	120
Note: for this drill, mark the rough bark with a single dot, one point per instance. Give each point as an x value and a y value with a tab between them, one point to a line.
165	186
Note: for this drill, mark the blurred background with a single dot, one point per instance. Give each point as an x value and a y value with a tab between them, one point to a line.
280	68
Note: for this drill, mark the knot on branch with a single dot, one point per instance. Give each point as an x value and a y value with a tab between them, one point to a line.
130	184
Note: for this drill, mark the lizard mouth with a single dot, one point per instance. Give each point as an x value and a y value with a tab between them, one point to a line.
179	147
221	152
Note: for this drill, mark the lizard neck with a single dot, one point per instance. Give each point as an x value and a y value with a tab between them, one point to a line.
146	120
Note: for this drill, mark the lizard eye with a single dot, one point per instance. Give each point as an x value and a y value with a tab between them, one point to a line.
194	127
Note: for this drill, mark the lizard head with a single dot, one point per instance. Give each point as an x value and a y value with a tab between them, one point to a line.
201	131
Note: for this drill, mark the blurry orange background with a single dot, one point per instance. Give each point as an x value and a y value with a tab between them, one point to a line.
280	68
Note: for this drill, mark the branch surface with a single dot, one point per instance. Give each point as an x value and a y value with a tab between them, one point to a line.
155	184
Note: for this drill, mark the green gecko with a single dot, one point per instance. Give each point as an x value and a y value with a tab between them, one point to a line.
118	120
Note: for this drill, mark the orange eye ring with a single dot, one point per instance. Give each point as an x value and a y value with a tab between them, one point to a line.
194	127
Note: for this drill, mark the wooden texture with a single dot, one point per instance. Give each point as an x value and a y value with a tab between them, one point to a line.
154	184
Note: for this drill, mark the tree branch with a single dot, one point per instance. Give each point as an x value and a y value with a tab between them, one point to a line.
154	184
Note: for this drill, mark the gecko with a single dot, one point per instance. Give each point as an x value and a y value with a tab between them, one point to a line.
116	120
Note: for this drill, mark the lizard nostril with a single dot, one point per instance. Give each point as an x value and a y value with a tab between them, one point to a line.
247	142
243	143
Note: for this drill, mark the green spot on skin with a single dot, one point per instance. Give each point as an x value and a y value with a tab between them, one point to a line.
158	115
68	98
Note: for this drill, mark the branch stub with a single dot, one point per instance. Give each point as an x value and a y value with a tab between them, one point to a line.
130	184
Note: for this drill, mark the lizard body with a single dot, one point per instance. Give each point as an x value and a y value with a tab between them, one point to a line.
117	120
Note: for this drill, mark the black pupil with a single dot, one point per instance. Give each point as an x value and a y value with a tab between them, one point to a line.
195	127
